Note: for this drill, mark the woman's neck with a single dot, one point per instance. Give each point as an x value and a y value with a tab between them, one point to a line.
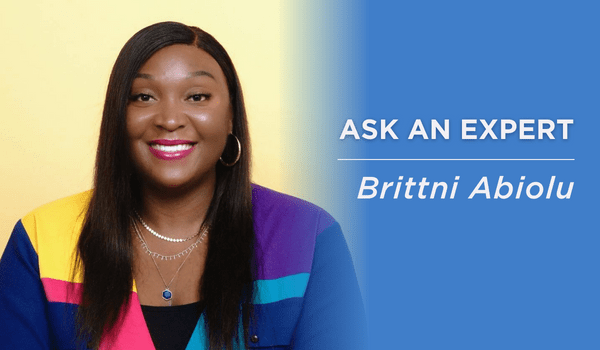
175	213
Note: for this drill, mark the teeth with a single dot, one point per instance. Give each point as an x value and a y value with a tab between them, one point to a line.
174	148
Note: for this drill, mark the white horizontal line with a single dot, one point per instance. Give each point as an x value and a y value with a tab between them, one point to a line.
457	159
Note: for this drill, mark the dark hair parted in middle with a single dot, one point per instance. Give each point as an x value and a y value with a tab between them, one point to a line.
105	251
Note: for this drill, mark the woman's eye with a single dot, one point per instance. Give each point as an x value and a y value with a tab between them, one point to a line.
141	97
199	97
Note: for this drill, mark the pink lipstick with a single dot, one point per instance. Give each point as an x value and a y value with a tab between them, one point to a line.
171	149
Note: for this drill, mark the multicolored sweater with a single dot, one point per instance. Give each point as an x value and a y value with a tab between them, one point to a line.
307	295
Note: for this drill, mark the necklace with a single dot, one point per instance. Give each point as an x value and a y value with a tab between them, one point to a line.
156	234
167	294
168	257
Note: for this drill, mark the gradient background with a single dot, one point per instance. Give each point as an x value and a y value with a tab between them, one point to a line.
56	61
435	274
55	65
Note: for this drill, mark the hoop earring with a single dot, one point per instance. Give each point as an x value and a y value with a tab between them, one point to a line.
239	153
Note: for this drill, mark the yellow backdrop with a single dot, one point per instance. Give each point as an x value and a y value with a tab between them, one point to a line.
55	63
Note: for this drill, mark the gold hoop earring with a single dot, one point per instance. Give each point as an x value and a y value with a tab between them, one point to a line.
239	152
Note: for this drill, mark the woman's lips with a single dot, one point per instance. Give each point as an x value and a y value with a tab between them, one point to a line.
171	149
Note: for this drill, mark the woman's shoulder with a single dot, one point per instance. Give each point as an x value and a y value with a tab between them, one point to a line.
58	215
55	226
276	209
47	236
286	232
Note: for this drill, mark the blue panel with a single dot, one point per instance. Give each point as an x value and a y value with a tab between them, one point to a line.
332	314
63	325
22	298
275	322
483	273
270	291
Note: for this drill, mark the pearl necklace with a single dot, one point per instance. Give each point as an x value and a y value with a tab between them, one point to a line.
158	235
167	257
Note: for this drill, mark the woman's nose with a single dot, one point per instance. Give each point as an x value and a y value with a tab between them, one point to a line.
170	116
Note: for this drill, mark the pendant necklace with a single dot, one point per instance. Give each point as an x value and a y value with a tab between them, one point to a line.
167	294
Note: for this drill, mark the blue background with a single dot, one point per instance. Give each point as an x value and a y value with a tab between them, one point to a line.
478	274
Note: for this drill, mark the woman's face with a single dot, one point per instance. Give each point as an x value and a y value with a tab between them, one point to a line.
178	117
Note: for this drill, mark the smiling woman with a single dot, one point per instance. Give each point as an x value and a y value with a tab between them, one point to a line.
179	111
174	248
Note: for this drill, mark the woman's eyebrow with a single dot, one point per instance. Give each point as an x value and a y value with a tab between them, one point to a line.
144	76
190	75
200	73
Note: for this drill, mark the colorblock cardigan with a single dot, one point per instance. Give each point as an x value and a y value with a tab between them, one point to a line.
306	294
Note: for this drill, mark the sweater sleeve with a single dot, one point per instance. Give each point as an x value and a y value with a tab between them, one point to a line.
332	315
23	304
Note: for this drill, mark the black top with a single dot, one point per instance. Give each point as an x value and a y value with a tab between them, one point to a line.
172	326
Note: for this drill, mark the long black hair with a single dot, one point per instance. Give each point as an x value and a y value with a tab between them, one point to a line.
104	251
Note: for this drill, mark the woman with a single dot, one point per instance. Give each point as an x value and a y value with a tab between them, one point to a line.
174	248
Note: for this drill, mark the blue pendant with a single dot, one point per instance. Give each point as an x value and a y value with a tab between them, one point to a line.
167	295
